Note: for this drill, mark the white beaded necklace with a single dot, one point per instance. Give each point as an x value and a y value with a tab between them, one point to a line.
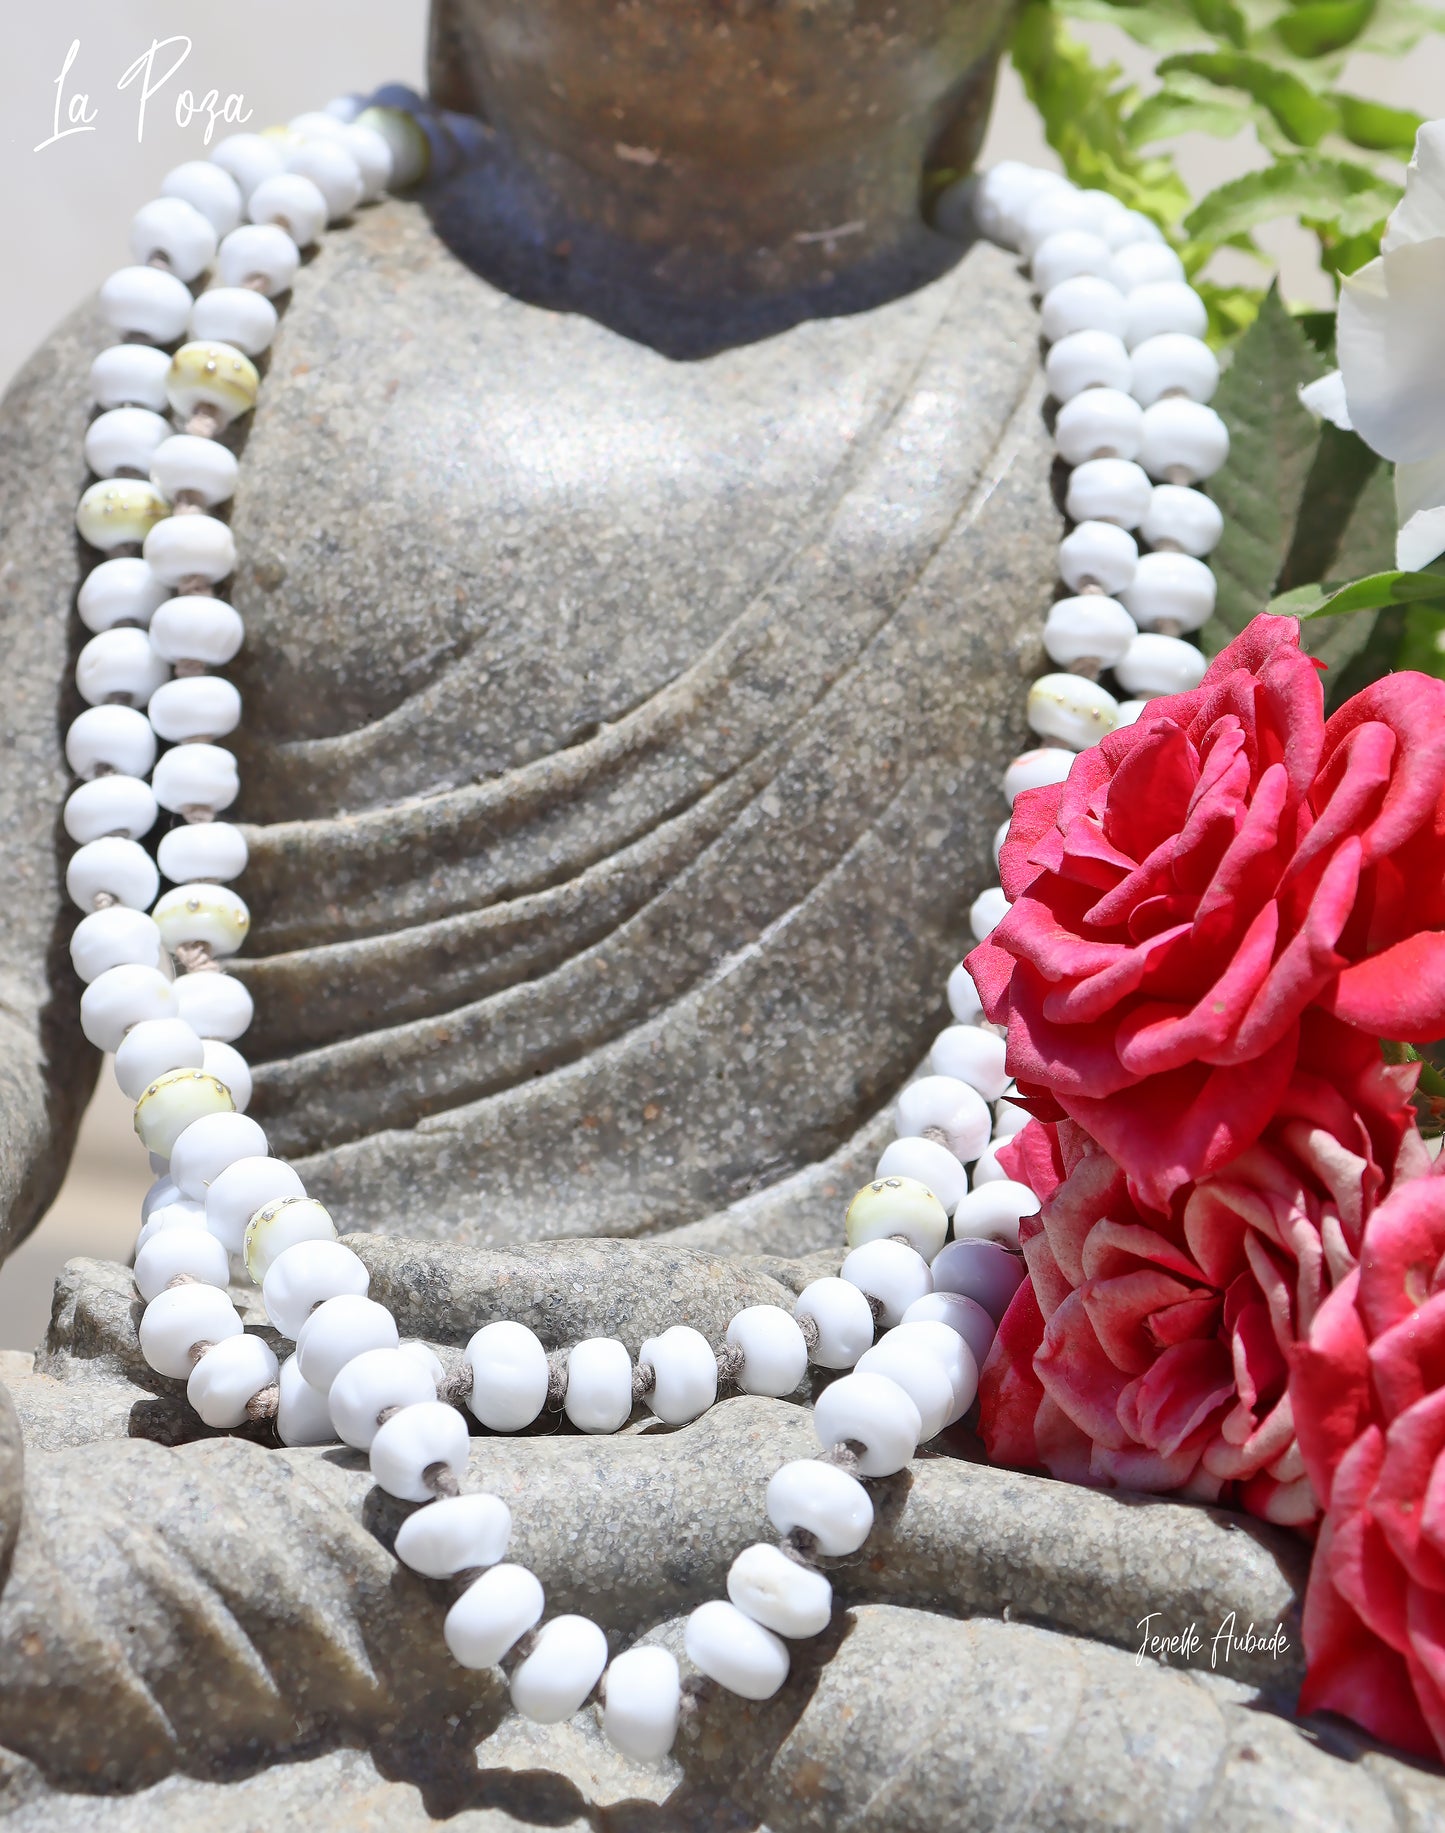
1131	379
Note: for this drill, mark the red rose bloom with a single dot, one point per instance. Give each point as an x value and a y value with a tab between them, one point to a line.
1150	1348
1368	1391
1201	878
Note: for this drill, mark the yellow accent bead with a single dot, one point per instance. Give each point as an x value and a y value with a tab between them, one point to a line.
283	136
279	1225
897	1206
173	1101
118	511
212	375
410	148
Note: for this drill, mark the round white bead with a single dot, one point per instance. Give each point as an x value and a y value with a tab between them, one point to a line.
963	1000
200	467
963	1315
413	1443
1145	264
145	302
1065	255
177	232
182	1213
599	1385
871	1411
116	937
644	1694
922	1378
280	1224
114	736
202	850
1160	307
196	776
176	1320
122	997
369	1384
1108	490
1086	359
334	172
152	1047
1009	1118
998	197
1172	587
208	1146
890	1272
454	1534
124	440
1131	226
926	1162
785	1597
1085	303
229	1068
942	1344
110	805
130	375
1092	627
973	1056
194	707
1182	441
259	253
120	868
1035	769
844	1319
302	1415
248	158
173	1251
215	1005
1098	423
291	203
1054	208
988	1170
426	1358
233	1197
775	1357
123	590
509	1376
943	1105
734	1651
203	185
986	912
119	667
235	315
1074	710
1172	364
228	1377
1157	664
904	1205
684	1368
1178	517
373	158
1098	554
993	1212
492	1614
564	1665
213	914
195	629
163	1190
823	1501
190	547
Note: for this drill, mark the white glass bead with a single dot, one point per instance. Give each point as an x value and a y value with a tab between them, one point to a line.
177	232
973	1056
302	1415
1157	664
208	1146
118	512
950	1111
130	375
163	1190
236	315
145	302
235	1195
785	1597
337	1331
1130	227
998	197
1085	303
890	1272
1074	710
124	440
982	1271
291	203
599	1385
823	1501
1093	627
1184	519
1182	441
644	1694
963	1000
229	1068
173	1251
942	1344
1009	1118
228	1377
1086	359
119	667
454	1534
121	868
905	1205
684	1368
413	1443
1098	423
280	1224
405	140
190	547
425	1357
1098	554
203	850
844	1319
196	776
1055	208
117	736
964	1315
1065	255
213	914
986	912
775	1357
334	172
215	1005
1162	306
196	629
1171	587
992	1213
203	185
1108	490
248	158
1172	364
370	1383
736	1652
509	1376
176	1320
172	1102
492	1614
110	805
373	159
203	469
988	1170
116	937
151	1048
922	1378
260	256
1145	264
563	1667
123	590
1035	769
182	1213
926	1162
871	1411
1129	711
122	997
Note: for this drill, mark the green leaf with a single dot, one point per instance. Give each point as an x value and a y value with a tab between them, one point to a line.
1349	197
1321	26
1301	115
1395	26
1423	644
1168	114
1232	309
1377	128
1332	539
1373	593
1223	19
1160	25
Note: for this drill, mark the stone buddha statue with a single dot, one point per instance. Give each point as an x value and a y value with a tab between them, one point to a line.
644	534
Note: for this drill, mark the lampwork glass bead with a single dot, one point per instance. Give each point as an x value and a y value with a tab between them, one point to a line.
1098	554
843	1317
183	548
203	185
1155	664
216	1005
973	1056
922	1379
122	997
736	1652
1172	363
302	1415
684	1368
963	1315
113	804
1108	490
1173	587
492	1614
890	1272
130	375
213	375
1178	517
120	512
1072	709
986	912
260	256
1182	442
823	1501
1098	423
190	628
112	867
644	1696
1159	307
228	1377
599	1385
151	1048
208	1146
281	1223
413	1443
229	1068
785	1597
196	776
234	315
775	1356
213	914
110	737
369	1384
926	1162
174	230
175	1251
1093	627
1033	770
146	302
558	1673
992	1213
453	1534
292	203
904	1205
115	937
179	1318
119	667
509	1376
124	440
172	1102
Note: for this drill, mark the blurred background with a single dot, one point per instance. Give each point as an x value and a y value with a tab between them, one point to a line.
69	204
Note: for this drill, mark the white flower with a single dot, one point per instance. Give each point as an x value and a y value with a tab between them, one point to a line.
1391	341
